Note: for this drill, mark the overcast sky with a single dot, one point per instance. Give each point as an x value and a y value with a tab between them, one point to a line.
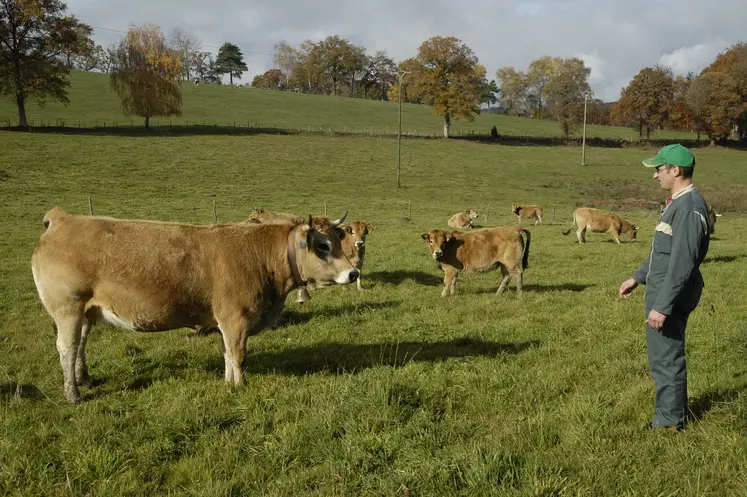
616	38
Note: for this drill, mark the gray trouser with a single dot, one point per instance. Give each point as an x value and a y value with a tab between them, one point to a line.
666	359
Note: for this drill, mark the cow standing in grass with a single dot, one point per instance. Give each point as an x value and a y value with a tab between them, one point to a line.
712	218
481	250
154	276
528	211
586	218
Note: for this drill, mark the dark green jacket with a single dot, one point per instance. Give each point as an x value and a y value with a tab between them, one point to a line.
680	244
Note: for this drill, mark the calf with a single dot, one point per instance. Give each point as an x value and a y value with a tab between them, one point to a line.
462	220
528	211
712	218
481	250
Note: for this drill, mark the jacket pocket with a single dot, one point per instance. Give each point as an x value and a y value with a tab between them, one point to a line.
663	239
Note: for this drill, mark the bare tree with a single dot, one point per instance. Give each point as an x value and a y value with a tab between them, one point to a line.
285	57
187	47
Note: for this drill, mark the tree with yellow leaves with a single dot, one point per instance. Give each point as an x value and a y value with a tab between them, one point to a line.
146	74
447	76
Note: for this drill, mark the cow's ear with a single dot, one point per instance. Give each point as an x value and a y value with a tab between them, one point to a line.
449	235
369	228
340	233
425	236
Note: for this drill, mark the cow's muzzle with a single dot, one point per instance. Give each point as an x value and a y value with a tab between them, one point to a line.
358	244
348	276
437	254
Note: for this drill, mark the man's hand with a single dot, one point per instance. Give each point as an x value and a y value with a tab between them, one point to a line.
656	319
627	288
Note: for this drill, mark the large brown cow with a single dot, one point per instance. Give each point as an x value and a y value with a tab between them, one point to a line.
153	276
463	220
528	211
600	222
712	218
481	250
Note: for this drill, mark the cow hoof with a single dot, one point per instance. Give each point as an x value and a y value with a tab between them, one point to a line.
84	381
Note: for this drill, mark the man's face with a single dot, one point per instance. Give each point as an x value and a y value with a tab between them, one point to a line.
666	175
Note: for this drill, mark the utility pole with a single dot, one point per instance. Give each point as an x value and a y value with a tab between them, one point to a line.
583	136
401	74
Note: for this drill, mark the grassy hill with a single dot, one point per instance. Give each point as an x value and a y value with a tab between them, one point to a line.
92	103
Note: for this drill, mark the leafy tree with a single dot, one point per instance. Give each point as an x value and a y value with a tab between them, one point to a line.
646	100
146	75
489	93
383	72
733	62
565	93
230	61
513	88
537	79
715	100
680	116
95	59
338	59
448	77
410	91
270	80
187	47
36	38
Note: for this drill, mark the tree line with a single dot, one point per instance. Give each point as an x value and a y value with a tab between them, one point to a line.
40	43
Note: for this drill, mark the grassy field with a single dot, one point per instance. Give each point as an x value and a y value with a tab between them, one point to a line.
389	391
93	104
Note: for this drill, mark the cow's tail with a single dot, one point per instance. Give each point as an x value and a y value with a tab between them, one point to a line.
525	259
52	215
574	222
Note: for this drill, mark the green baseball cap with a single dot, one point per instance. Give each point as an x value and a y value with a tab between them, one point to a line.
674	155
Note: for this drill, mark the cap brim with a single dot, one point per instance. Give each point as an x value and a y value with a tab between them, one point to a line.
653	162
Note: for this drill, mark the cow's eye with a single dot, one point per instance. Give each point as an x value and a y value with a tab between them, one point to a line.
324	247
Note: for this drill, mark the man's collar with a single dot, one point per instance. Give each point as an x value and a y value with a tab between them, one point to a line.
684	191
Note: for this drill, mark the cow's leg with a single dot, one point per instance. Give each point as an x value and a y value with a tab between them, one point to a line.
234	331
505	280
616	237
358	283
69	323
581	235
450	275
518	275
81	369
272	317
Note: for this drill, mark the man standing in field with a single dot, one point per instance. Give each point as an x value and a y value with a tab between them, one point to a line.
673	281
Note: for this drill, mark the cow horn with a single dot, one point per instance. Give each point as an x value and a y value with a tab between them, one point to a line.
338	222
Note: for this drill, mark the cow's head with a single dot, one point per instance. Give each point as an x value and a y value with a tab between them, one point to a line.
256	213
632	232
320	257
357	232
437	240
515	208
472	214
712	218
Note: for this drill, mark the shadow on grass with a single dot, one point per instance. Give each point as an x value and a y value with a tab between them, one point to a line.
343	358
563	287
294	318
703	403
723	258
400	276
334	358
21	391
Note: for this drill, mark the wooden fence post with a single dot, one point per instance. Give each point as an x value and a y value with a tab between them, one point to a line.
90	206
553	213
409	210
487	216
325	207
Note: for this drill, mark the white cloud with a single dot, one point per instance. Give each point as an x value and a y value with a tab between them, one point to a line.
616	38
694	58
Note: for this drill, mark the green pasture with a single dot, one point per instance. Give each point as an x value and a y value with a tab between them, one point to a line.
389	391
93	104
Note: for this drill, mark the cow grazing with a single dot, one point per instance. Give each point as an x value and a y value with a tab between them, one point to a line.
481	250
528	211
354	244
712	218
269	217
154	276
463	220
600	222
